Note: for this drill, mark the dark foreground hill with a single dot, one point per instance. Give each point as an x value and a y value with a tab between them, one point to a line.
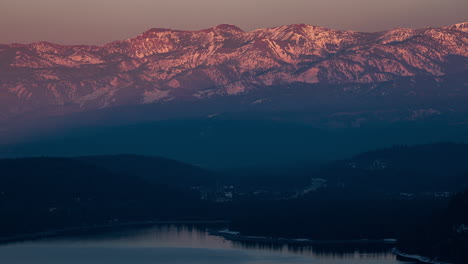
153	169
38	194
419	169
403	192
445	237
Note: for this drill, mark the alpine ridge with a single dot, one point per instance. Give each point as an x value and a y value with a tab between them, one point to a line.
162	65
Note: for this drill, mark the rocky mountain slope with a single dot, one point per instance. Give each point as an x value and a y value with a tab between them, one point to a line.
162	65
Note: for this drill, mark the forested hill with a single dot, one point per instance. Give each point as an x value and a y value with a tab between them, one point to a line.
153	169
445	237
38	194
441	167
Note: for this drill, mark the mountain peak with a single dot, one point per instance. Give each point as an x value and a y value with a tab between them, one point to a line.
154	31
224	28
228	27
460	26
302	28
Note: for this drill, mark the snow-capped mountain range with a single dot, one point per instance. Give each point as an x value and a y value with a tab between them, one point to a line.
162	65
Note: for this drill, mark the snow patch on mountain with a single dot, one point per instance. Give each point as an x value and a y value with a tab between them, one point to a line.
154	96
164	64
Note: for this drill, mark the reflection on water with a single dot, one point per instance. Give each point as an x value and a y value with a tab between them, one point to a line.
348	250
184	244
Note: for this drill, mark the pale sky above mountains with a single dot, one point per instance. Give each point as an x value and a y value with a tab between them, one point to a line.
102	21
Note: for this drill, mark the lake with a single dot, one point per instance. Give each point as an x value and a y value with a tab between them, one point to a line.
182	244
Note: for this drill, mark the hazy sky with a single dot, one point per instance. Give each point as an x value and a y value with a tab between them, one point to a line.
101	21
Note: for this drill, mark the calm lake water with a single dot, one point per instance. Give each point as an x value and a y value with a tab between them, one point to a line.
180	244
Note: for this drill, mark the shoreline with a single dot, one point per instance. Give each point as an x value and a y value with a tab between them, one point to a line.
80	229
224	233
236	236
415	257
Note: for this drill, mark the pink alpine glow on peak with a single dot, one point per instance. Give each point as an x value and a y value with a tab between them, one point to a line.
164	64
461	26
